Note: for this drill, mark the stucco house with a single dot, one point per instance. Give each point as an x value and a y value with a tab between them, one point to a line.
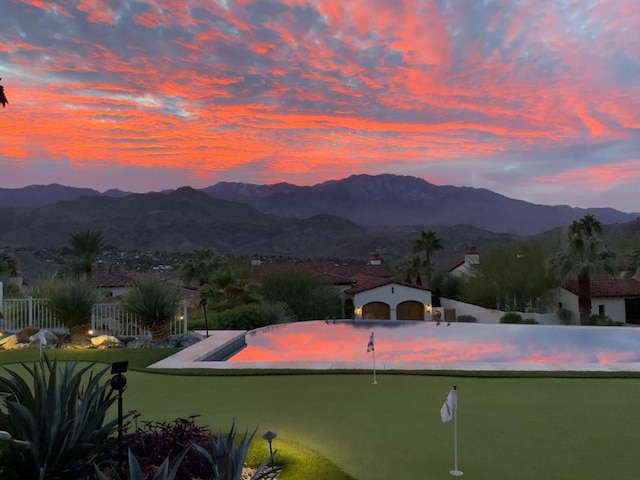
617	298
386	299
465	267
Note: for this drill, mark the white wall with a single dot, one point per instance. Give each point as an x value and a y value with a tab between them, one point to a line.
394	294
487	315
613	306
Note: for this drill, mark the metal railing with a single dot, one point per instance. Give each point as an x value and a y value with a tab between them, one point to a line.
106	318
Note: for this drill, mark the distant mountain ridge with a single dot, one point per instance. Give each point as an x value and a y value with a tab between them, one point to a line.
186	219
41	195
380	200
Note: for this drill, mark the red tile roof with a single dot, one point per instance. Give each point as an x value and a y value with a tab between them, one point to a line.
365	283
607	286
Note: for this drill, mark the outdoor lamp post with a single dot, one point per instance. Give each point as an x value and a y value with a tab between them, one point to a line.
203	302
119	383
269	436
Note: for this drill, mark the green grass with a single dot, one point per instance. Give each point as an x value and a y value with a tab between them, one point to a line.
509	428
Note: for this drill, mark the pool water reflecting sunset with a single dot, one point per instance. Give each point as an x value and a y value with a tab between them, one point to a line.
399	342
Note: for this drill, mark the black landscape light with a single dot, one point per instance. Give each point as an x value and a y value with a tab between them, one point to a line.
203	302
119	383
269	436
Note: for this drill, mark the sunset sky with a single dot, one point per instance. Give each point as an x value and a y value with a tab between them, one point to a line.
534	99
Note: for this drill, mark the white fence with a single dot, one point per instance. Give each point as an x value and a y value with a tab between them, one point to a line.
106	318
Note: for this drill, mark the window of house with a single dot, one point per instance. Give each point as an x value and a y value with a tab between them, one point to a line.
601	310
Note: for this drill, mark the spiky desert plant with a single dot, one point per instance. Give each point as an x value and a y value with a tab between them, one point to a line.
227	456
72	303
61	417
155	303
164	472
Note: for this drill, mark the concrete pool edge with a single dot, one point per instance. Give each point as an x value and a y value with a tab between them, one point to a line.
193	357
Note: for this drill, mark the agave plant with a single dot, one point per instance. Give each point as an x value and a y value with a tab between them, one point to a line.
227	457
60	420
164	472
155	303
72	304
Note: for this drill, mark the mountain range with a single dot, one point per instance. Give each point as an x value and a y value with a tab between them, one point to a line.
381	200
348	219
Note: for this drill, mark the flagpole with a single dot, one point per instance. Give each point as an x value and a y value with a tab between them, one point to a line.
455	472
374	367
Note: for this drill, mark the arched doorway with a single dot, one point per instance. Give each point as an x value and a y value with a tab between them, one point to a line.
377	311
410	310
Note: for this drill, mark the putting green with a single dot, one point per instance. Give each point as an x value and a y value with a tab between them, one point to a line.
528	428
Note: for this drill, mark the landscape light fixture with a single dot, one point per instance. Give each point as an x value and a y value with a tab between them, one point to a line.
119	383
269	436
203	302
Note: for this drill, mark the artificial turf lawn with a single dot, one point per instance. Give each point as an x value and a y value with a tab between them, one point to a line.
509	428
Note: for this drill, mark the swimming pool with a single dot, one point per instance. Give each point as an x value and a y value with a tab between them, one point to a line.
406	345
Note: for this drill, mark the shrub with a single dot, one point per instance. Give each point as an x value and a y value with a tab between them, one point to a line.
530	321
226	456
156	443
155	302
61	418
245	317
603	321
305	293
163	472
565	315
191	451
278	312
72	303
467	319
511	317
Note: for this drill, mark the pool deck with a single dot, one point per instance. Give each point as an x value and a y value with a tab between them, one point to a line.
219	340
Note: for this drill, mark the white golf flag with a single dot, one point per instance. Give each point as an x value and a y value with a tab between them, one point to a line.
370	346
42	337
449	405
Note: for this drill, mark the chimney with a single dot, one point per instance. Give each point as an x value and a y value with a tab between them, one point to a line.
375	259
471	256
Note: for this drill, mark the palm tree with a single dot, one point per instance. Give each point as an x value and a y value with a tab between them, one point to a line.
72	303
155	303
85	246
201	265
587	226
583	257
428	243
227	291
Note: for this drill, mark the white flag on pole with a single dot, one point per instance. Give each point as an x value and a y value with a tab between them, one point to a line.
42	337
449	405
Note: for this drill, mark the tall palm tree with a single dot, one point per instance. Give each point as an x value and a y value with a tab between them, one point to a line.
201	265
587	226
155	303
72	303
85	246
428	243
583	257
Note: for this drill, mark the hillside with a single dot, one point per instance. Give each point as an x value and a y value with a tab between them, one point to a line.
381	200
